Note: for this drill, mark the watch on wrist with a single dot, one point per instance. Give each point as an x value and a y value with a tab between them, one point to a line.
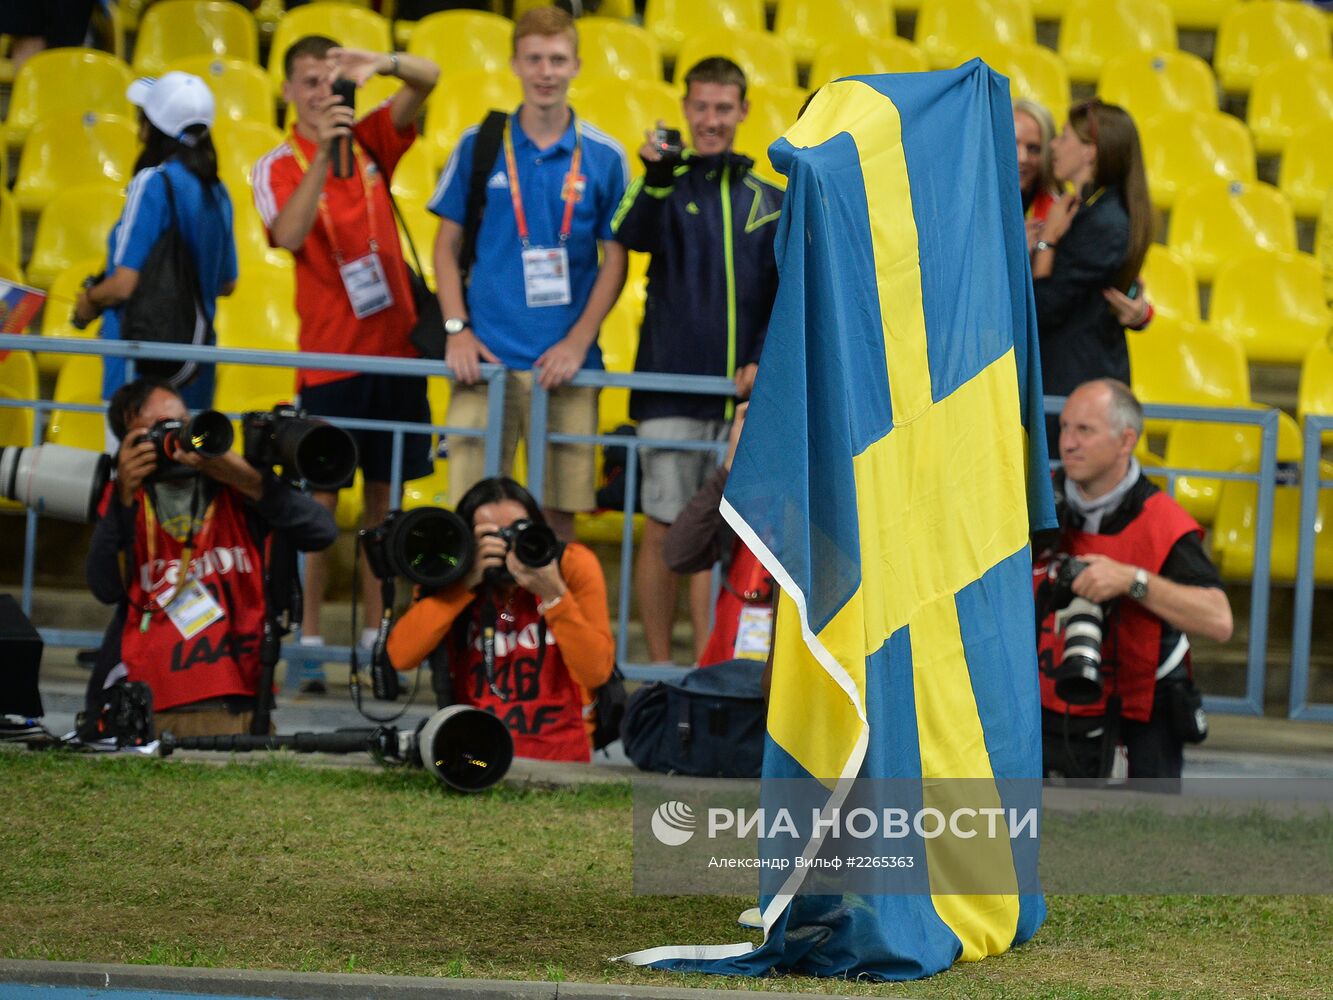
1139	588
1043	245
455	324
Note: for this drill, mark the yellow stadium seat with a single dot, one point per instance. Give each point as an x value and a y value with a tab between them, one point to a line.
1094	31
353	27
1286	97
1049	10
463	41
1184	148
75	225
415	175
240	145
432	490
765	58
808	25
626	109
1226	448
952	31
1197	14
772	111
173	29
1146	84
10	245
261	313
1219	219
18	380
424	226
672	21
70	149
619	340
611	48
1173	289
1315	396
1306	172
858	56
66	80
1175	361
1272	304
57	316
1261	32
1234	530
241	90
464	103
1034	72
79	381
252	245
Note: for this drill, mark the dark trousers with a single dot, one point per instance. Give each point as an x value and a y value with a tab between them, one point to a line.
1082	748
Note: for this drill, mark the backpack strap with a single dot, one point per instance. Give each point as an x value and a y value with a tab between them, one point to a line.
489	137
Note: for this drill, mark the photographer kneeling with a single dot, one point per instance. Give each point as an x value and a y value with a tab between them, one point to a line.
546	627
179	548
1114	657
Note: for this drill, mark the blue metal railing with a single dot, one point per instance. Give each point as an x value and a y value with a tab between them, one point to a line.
1300	706
1267	421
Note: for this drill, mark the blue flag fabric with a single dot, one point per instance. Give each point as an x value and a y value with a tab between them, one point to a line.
892	465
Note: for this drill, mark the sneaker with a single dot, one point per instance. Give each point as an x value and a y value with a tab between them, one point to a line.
751	918
313	686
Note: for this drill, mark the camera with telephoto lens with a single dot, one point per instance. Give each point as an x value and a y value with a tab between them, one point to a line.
668	144
208	433
305	448
533	545
1078	678
55	480
430	546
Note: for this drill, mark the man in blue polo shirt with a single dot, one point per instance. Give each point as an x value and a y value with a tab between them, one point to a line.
537	297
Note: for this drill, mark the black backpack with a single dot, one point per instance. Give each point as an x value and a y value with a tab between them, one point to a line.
167	306
710	722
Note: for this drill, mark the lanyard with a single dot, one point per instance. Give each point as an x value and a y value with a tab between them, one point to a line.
366	187
187	551
570	192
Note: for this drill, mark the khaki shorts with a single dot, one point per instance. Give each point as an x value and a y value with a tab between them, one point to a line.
571	469
671	477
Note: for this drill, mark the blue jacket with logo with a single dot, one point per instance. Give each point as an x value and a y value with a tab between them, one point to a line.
712	278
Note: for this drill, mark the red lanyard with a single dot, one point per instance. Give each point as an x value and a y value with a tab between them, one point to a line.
570	192
366	186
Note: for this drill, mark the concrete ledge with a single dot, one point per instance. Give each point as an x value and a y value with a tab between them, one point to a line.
330	986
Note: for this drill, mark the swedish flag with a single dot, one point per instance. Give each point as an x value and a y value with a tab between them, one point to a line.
892	465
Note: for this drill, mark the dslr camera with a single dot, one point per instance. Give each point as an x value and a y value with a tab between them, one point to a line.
208	433
668	143
533	545
1078	677
307	449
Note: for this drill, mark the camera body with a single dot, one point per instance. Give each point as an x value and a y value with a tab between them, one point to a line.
208	433
1078	677
305	448
667	142
533	545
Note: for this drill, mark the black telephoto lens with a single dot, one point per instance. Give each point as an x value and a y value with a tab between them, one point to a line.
209	433
320	453
534	544
431	546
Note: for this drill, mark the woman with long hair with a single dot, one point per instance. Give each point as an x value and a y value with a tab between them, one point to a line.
551	629
175	184
1094	238
1034	128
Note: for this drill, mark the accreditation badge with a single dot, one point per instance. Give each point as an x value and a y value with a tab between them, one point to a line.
754	634
366	284
546	277
193	609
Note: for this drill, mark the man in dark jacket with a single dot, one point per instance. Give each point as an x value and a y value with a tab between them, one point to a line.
179	549
708	222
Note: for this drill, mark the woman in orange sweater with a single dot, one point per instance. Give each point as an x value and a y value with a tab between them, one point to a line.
552	630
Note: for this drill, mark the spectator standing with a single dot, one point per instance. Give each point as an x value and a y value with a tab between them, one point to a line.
352	291
1094	237
551	630
537	295
37	25
175	184
708	222
181	557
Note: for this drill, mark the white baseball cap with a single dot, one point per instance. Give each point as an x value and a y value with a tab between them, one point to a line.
173	102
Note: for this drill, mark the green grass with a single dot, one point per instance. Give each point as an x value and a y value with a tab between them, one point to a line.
275	865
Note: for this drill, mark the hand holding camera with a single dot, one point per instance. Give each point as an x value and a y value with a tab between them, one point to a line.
660	152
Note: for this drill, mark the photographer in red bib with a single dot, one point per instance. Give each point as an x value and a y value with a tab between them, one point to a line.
1118	591
179	548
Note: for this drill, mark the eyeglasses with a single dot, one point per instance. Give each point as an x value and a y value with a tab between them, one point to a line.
1089	110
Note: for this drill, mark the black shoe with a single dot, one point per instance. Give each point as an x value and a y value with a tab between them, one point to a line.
313	686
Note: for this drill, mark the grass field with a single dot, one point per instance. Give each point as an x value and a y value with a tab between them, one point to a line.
280	866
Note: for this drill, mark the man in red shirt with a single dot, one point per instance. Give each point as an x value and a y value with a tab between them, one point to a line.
352	290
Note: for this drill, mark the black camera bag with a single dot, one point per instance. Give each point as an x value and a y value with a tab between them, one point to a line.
709	723
609	702
166	306
1184	705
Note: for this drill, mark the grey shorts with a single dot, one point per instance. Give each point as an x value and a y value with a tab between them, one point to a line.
670	476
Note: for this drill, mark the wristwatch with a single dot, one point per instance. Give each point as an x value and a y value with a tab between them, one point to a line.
1043	245
455	324
1139	588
